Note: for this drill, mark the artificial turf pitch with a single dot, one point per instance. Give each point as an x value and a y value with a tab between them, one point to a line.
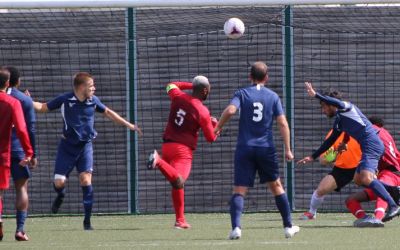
209	231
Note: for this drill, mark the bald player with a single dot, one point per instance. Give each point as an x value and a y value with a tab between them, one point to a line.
187	115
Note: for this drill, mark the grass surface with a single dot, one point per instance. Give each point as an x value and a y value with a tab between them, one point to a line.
209	231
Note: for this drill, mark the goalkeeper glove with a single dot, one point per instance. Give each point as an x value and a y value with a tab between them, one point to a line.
330	155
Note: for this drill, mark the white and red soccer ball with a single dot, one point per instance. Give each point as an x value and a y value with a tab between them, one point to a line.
234	28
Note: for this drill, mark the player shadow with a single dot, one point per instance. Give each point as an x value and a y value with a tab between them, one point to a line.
119	229
278	226
326	226
98	229
264	227
267	219
214	240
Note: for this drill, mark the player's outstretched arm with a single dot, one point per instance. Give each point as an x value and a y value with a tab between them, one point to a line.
180	85
327	143
310	90
226	115
174	88
113	116
40	107
323	148
305	160
285	133
327	99
328	158
208	130
324	162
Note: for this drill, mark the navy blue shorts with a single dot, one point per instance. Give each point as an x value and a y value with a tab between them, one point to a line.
73	155
370	158
18	171
368	163
249	160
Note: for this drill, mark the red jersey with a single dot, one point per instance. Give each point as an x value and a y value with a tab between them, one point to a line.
187	115
391	156
11	114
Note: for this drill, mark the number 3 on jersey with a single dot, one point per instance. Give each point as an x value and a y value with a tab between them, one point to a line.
258	108
180	117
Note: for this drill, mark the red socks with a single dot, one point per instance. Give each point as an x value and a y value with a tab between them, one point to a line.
178	198
380	208
355	208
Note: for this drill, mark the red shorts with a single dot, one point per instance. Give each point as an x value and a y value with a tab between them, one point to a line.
386	176
179	157
4	177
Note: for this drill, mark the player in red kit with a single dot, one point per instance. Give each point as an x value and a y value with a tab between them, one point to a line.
11	115
389	173
187	115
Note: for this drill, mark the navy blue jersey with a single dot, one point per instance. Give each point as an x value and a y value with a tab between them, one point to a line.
78	116
259	106
30	119
351	120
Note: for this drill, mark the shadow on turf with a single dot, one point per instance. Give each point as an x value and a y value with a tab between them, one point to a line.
100	229
327	226
301	226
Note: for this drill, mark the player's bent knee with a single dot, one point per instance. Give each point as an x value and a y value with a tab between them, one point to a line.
324	191
177	186
276	187
85	182
85	178
365	181
348	200
59	180
179	183
241	190
357	180
59	177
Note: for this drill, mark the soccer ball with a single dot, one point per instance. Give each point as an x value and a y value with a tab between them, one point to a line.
234	28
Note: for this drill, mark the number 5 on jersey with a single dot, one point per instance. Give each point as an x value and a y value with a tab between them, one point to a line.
258	108
180	117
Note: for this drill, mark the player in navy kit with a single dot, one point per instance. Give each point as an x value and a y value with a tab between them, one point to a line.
349	119
75	148
255	150
11	115
21	174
